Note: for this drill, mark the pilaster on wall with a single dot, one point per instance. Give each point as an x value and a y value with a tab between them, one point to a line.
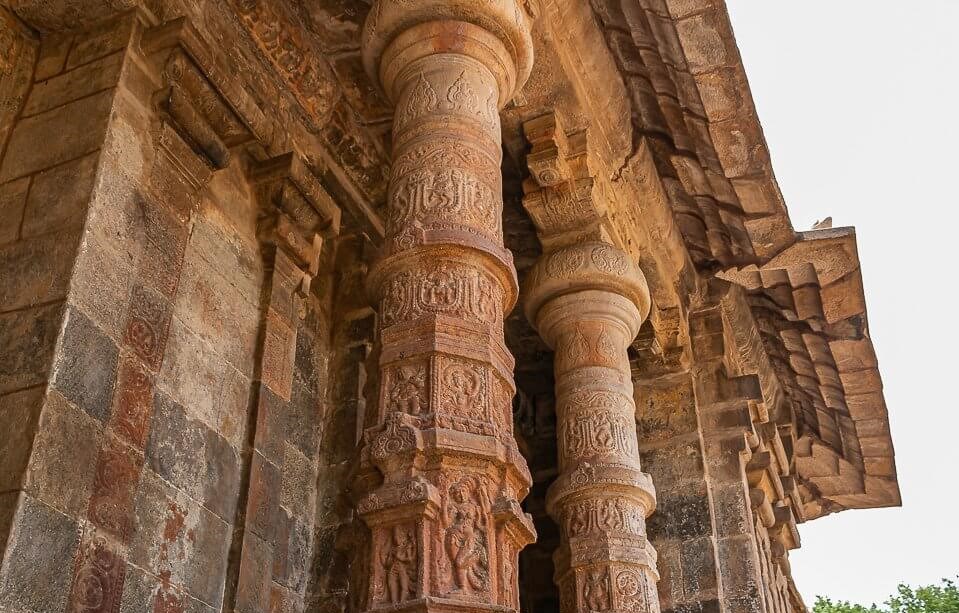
752	498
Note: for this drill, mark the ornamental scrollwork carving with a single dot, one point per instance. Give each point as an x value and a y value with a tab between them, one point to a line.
445	289
444	193
395	438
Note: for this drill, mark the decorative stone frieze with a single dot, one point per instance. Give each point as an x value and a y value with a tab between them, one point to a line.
588	300
441	472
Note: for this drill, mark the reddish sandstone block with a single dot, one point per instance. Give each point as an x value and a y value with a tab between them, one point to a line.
148	323
114	486
132	402
98	575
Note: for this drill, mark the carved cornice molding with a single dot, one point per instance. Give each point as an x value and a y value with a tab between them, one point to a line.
57	16
194	101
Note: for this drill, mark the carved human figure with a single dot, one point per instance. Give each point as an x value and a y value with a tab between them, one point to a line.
466	542
596	591
407	394
399	564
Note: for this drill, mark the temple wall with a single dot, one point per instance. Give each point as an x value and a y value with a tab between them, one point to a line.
166	388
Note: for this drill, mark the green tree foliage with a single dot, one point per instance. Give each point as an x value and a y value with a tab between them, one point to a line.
942	598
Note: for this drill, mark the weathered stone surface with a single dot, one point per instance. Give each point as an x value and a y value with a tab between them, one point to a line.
36	271
176	538
86	366
61	471
70	131
40	534
59	197
13	198
19	418
28	337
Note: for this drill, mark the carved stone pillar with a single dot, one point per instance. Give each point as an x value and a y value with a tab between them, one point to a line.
588	300
440	468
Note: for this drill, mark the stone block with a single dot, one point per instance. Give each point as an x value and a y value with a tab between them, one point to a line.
28	338
731	509
53	55
190	455
30	579
64	456
59	197
698	564
73	85
218	313
738	566
263	505
148	323
676	468
13	198
222	479
98	575
292	552
86	365
663	412
279	346
298	491
272	416
114	486
19	419
36	271
101	285
681	517
240	264
132	402
176	538
209	388
253	586
705	42
104	40
162	252
303	415
69	131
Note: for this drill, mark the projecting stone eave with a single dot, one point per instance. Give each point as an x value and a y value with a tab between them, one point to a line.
706	34
865	476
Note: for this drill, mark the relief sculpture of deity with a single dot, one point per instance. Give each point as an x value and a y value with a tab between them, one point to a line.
466	537
399	563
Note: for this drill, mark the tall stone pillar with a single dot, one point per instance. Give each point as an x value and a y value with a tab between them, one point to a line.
588	300
440	468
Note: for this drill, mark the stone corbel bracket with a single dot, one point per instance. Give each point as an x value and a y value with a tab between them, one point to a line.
207	112
297	213
560	193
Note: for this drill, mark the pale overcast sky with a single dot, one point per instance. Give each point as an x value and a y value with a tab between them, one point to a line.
858	101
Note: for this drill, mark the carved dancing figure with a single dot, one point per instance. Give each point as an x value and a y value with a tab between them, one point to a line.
466	537
407	393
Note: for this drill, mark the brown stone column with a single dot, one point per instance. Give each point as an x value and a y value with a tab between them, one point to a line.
440	465
588	301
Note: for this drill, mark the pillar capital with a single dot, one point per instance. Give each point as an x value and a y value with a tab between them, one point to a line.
584	281
399	33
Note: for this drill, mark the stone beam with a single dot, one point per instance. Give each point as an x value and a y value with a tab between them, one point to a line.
440	469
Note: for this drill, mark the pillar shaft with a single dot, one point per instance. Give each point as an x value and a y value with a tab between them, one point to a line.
443	477
588	301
